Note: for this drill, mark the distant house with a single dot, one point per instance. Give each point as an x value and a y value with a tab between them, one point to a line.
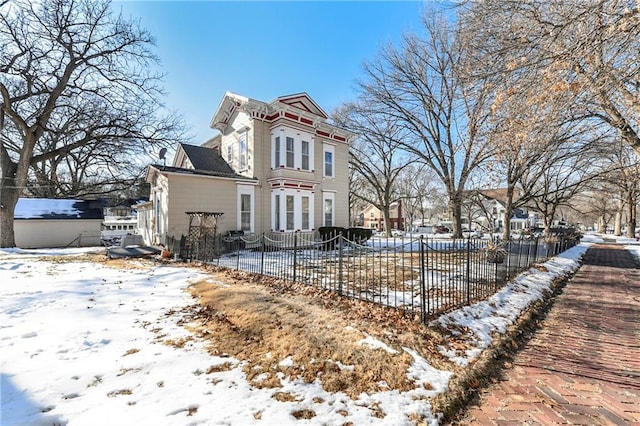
118	221
485	209
43	222
275	166
372	217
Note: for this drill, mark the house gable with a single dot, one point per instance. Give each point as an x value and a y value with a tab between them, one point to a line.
303	102
298	109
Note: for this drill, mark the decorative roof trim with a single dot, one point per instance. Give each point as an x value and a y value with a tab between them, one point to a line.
279	109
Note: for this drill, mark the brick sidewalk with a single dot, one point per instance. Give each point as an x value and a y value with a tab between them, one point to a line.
583	365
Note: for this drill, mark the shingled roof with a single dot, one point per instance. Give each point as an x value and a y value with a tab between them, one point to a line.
48	208
207	160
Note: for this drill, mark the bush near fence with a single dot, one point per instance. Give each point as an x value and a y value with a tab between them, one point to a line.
422	276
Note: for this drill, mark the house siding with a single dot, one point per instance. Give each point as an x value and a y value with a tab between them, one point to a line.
196	193
261	148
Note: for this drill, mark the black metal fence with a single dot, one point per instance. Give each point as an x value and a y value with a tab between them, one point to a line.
422	276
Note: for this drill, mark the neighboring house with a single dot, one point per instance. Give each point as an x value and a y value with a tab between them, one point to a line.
118	221
372	217
485	210
276	166
43	222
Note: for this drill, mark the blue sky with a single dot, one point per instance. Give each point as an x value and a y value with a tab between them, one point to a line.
266	49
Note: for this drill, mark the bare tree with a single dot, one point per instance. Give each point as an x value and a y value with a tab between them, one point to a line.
586	50
421	85
527	133
376	156
78	87
623	181
557	179
420	190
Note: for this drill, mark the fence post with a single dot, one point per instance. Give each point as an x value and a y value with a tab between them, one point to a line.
295	255
340	252
508	259
423	286
264	248
238	253
469	270
520	243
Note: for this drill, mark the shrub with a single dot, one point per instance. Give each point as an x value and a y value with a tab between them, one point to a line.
359	235
356	235
327	233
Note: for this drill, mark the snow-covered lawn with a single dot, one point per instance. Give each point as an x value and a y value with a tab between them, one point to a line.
87	344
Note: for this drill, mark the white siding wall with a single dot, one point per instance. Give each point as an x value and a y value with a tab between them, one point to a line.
44	233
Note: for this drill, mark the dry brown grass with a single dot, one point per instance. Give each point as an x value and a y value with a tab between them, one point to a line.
316	332
119	392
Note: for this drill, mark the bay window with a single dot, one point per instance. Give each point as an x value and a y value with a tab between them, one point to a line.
292	210
292	148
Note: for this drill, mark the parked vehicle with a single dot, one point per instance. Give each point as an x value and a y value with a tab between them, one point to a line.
472	233
442	230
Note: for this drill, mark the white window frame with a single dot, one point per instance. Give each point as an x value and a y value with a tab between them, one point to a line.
246	190
276	212
279	209
304	197
290	154
230	153
289	212
281	155
329	196
243	152
277	148
303	155
326	148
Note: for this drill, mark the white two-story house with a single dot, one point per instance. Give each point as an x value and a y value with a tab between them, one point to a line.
275	166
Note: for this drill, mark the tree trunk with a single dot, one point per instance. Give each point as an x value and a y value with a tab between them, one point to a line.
387	221
602	225
9	194
455	209
8	200
617	224
508	208
549	214
631	215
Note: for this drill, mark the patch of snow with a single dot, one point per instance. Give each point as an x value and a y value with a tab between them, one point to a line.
374	343
287	362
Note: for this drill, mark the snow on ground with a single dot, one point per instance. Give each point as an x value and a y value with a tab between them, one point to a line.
83	343
498	312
